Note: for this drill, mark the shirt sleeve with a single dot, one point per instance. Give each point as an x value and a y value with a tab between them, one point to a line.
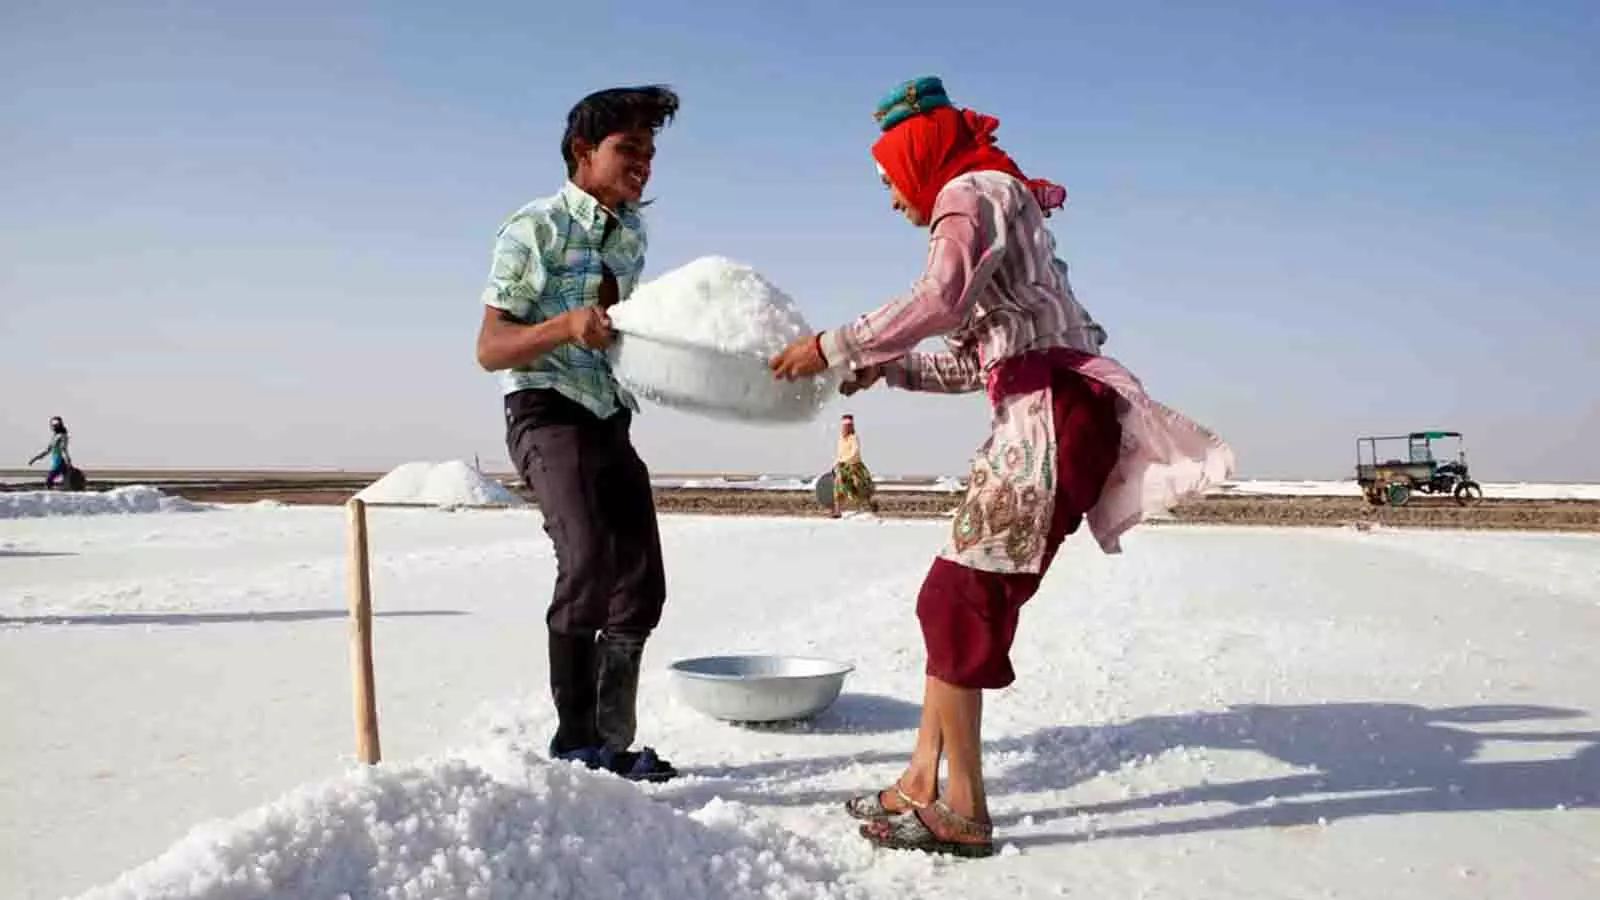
935	373
848	451
516	271
961	261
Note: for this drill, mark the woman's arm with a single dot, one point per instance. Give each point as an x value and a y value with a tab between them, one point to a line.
935	373
962	256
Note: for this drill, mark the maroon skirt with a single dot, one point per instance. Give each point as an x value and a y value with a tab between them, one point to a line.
969	617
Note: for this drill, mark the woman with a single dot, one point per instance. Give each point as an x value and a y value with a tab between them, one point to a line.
60	459
852	481
1074	437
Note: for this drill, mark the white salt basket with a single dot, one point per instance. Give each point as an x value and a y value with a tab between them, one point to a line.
714	383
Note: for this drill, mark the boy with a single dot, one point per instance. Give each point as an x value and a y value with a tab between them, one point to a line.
559	263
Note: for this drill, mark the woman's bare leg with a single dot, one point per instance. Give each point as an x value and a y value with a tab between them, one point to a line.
920	780
961	725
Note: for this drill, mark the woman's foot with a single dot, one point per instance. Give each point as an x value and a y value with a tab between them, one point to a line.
887	803
933	829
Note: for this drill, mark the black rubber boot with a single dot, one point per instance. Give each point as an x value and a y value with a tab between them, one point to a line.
616	715
574	669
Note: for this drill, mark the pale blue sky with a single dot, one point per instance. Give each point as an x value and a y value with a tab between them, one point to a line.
256	235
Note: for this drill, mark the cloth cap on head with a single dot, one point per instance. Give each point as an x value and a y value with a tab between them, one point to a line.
927	141
911	98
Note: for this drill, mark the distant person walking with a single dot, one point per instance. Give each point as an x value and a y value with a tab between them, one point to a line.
852	481
60	458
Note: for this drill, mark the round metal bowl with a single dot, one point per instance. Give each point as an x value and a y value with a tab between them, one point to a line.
713	383
759	688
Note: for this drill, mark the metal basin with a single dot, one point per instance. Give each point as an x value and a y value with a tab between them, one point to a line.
759	688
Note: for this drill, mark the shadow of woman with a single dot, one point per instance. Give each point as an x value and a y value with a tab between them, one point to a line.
1401	758
771	782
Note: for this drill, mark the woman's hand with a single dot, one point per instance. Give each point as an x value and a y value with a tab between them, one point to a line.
861	380
801	359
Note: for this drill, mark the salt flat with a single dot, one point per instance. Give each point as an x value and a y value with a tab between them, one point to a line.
1219	712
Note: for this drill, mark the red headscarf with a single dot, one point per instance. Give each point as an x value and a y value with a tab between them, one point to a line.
922	154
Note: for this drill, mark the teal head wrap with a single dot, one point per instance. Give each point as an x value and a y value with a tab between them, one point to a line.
911	98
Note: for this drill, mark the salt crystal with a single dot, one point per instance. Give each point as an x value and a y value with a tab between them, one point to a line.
446	484
713	302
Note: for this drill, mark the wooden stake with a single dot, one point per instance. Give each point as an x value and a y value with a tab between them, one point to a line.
361	670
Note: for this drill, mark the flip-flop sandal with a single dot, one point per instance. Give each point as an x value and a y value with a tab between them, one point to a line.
643	765
869	807
910	833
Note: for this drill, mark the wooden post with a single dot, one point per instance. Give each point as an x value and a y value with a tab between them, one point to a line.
366	700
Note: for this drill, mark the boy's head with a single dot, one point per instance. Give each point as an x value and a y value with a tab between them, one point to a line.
610	140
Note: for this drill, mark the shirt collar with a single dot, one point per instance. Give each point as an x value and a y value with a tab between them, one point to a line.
586	209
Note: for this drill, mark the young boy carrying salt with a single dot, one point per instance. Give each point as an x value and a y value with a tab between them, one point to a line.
558	264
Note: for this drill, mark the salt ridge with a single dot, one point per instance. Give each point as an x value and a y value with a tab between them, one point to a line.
497	820
446	484
136	498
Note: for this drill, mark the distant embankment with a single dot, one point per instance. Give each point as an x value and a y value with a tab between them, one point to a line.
1530	507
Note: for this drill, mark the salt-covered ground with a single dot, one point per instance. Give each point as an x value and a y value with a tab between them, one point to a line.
1218	713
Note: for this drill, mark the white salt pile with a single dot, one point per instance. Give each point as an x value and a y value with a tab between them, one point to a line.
446	484
136	498
498	821
714	302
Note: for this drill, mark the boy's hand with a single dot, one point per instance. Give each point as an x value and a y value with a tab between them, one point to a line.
589	327
861	380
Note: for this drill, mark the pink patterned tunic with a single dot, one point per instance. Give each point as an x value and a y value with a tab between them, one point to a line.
995	290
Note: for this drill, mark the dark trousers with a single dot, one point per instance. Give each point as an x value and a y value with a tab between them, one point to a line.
594	493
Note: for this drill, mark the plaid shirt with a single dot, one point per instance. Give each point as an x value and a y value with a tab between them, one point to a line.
547	261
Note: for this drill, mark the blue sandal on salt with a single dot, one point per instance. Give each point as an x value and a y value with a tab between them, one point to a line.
644	765
641	765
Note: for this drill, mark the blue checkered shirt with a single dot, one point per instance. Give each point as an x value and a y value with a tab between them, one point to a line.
547	260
